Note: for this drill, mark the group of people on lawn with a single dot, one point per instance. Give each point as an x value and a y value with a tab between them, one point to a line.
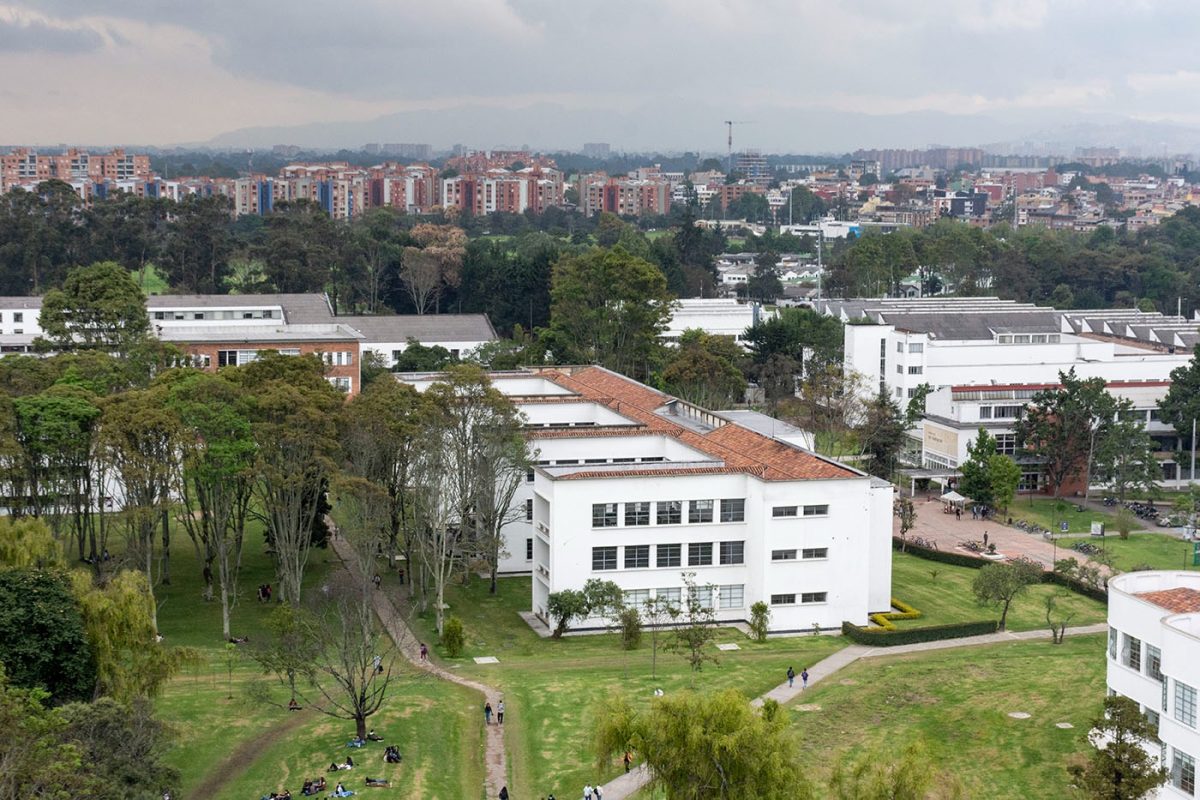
391	755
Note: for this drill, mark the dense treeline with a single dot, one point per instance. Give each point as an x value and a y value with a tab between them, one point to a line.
1152	269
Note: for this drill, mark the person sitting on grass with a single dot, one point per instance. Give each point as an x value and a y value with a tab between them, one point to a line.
293	705
319	784
356	742
392	754
334	767
342	791
307	788
378	783
372	736
285	795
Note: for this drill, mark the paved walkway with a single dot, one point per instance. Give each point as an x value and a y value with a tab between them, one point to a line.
626	785
410	648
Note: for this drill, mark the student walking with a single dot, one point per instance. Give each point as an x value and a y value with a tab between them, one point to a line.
628	760
596	792
500	713
487	713
424	652
804	679
587	792
791	676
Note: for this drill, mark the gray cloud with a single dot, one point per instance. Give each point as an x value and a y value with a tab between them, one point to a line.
33	35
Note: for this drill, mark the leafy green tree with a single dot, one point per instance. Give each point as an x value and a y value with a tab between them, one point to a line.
26	543
695	624
807	337
608	308
1000	583
1063	425
760	620
1004	475
422	358
597	598
703	370
1121	768
702	745
1125	456
198	244
42	636
98	307
123	746
764	285
300	248
883	434
38	762
976	482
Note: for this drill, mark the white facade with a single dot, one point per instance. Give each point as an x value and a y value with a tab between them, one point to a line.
719	317
1154	659
633	486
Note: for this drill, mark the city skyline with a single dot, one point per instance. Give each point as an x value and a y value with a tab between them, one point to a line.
142	72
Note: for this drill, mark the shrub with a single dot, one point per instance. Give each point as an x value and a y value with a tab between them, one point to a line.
874	637
944	556
884	618
453	637
631	628
760	618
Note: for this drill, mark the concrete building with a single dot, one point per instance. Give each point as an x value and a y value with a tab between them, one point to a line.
389	336
635	486
719	317
1154	659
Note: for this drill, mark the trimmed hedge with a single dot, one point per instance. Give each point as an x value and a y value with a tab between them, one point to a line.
884	619
934	633
944	556
1079	587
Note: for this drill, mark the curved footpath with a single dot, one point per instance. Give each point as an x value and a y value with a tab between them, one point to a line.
408	645
626	785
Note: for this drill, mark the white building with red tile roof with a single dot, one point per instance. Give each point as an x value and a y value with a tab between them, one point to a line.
638	487
1154	659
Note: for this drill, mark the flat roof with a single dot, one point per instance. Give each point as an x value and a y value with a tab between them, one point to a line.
259	333
300	308
423	327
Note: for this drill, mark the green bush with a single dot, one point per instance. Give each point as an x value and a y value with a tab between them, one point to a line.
453	637
884	618
760	618
944	556
874	637
1077	586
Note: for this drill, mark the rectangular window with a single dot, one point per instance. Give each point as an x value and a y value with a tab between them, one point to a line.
672	596
915	370
19	316
783	555
1007	412
529	476
814	552
529	549
916	347
669	555
227	358
813	597
733	552
1006	444
899	369
604	515
899	347
637	556
636	598
637	513
529	509
700	554
1112	643
670	512
703	595
700	511
733	596
784	511
985	412
733	510
1154	662
1151	717
1183	772
816	511
1185	704
604	558
1133	654
783	599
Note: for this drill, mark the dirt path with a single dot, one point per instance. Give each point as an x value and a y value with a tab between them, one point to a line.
242	757
496	760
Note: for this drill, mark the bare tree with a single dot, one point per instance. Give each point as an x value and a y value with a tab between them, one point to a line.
421	273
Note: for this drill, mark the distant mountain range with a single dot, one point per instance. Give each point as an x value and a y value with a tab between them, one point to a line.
700	128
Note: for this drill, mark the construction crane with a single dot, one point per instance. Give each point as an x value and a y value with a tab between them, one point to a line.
729	141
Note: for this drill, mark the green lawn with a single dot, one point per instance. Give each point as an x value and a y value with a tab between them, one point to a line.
1160	551
152	282
957	701
948	598
551	687
434	722
1043	511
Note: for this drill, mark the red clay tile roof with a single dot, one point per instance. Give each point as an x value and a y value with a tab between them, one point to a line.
1181	601
742	449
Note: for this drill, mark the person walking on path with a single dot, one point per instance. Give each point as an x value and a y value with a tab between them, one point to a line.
957	514
587	792
500	713
487	713
791	676
596	792
804	678
628	760
424	652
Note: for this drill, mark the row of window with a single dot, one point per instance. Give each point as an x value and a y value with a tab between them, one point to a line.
667	512
821	510
806	598
1183	771
914	370
730	596
1001	412
1131	654
17	316
913	347
194	315
699	554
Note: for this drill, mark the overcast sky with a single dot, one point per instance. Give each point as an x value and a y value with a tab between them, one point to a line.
165	71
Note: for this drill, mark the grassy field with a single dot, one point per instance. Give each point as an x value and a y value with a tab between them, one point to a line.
957	701
152	282
1043	511
948	598
231	747
1159	551
551	687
